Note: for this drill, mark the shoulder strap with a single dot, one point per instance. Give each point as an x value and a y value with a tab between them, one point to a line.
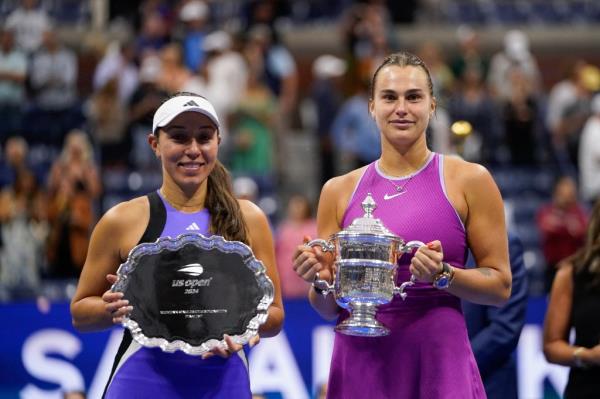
158	218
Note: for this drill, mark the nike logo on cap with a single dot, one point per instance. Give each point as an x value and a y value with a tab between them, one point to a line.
389	197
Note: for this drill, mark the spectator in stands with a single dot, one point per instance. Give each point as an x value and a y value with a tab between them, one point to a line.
53	77
223	76
73	186
194	15
469	54
107	118
118	63
153	36
562	95
365	28
471	102
494	332
567	134
443	78
29	22
326	98
23	227
144	101
562	224
575	304
520	117
589	155
13	73
280	71
298	223
174	75
516	52
354	132
252	142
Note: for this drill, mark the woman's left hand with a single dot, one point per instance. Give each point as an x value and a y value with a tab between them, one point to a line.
232	347
427	261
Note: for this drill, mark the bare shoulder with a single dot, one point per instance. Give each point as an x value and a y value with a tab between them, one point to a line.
466	172
123	225
341	187
471	188
127	213
252	213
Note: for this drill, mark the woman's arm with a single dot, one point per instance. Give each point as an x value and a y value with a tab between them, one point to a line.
476	198
261	242
92	307
490	282
310	261
556	324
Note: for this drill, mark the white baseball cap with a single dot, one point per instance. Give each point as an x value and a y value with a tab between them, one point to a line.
179	104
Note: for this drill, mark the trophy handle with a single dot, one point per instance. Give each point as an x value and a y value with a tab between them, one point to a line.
400	290
326	246
323	286
409	246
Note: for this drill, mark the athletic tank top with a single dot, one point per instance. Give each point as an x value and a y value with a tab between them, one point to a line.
584	383
422	211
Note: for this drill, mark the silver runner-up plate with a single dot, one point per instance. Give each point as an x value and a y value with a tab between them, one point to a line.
188	291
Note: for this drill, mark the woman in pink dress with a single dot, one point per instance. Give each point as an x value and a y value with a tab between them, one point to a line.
446	202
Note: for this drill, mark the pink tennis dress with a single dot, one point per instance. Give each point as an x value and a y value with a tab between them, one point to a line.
427	354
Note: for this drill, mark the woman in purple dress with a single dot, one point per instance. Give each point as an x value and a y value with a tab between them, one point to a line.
195	196
446	202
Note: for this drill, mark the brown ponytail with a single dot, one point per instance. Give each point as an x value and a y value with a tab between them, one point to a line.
226	216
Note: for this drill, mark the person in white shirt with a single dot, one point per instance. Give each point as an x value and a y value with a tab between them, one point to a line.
29	23
589	154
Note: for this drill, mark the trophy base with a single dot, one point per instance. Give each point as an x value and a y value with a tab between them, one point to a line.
362	322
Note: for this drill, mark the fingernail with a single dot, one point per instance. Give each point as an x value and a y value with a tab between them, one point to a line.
430	245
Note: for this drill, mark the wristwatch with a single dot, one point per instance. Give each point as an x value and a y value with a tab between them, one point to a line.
443	279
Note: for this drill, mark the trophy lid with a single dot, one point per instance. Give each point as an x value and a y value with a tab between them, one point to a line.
368	224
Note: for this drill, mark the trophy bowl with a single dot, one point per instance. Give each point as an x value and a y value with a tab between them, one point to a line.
366	260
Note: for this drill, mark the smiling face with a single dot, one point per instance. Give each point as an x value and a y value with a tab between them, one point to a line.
187	148
402	103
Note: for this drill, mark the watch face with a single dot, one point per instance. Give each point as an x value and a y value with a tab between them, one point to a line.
442	281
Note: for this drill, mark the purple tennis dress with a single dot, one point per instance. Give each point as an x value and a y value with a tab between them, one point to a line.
427	354
140	372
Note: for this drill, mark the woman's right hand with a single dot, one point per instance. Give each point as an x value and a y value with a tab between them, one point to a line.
308	261
114	304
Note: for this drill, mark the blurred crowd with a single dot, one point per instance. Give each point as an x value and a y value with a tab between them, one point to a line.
72	116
